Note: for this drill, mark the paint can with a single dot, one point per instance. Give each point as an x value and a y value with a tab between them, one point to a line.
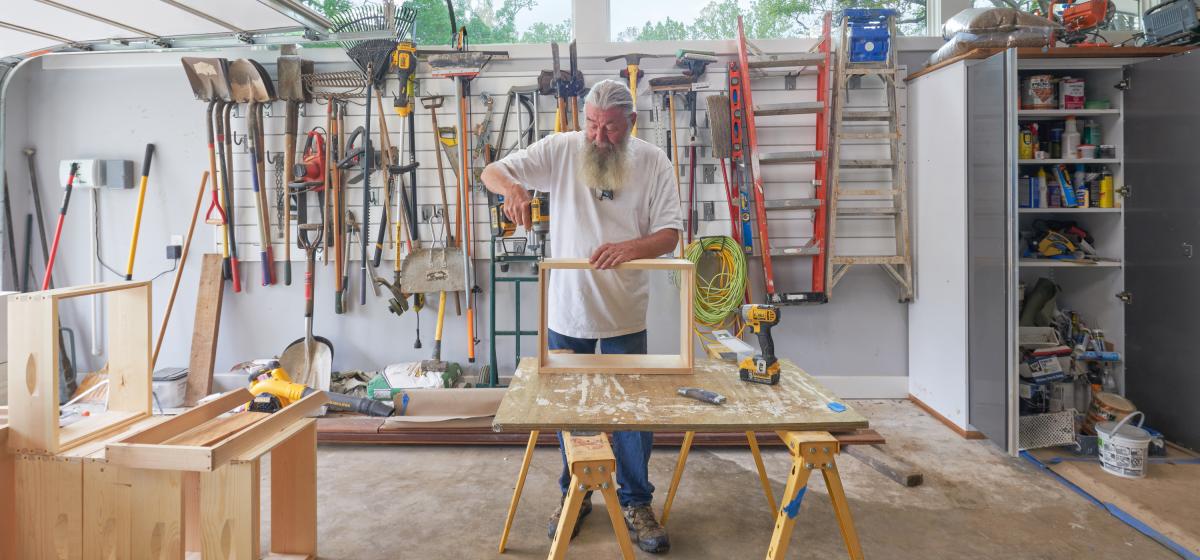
1071	93
1037	92
1106	407
1123	447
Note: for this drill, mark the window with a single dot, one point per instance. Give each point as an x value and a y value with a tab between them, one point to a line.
487	21
667	20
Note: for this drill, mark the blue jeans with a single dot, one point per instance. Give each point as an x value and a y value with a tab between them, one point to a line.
632	449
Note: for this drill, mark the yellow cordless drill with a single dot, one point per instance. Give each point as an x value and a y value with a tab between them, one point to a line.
762	367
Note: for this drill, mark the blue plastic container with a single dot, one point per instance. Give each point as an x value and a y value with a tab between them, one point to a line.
869	35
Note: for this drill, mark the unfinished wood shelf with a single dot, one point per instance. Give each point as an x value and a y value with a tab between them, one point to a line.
680	363
33	353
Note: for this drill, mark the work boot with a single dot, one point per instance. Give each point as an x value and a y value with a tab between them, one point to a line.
584	509
645	530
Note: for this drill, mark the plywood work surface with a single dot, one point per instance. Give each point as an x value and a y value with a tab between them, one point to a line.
649	402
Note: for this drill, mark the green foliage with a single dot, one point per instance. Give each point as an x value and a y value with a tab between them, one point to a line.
485	24
769	19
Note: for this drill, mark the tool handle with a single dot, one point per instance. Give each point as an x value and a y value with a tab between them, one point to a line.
62	216
233	273
308	290
766	343
146	161
470	334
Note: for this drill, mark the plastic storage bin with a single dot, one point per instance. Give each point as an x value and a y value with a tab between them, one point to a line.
869	34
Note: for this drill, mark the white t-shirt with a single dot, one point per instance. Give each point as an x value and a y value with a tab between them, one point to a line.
601	303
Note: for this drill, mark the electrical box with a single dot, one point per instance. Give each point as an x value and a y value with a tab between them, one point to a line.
97	173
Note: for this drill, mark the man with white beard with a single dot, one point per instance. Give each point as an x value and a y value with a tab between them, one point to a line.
613	199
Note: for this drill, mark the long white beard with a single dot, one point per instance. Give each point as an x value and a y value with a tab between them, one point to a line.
605	169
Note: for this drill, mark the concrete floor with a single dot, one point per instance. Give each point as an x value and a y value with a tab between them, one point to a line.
449	502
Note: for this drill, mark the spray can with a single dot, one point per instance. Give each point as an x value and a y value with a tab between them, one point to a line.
1106	189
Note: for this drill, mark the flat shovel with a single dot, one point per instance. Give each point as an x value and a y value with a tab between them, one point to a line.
292	69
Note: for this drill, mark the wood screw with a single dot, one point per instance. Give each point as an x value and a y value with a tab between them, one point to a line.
587	470
582	487
604	486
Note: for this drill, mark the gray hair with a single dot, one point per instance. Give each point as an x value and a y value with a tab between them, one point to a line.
607	94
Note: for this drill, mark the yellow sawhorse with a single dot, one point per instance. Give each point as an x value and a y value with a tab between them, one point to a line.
591	463
810	451
683	453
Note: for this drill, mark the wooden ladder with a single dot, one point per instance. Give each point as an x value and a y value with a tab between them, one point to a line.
899	264
749	162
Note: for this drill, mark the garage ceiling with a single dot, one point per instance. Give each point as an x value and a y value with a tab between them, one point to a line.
31	26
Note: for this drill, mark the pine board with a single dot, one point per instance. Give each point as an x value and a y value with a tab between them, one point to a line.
650	402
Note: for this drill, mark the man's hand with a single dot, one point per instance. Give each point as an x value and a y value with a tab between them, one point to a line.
517	206
609	255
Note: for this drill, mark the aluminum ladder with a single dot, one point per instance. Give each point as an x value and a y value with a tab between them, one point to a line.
898	265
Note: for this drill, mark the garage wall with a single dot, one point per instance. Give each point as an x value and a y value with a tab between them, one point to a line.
111	105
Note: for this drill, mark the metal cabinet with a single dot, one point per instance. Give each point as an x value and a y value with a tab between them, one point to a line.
965	184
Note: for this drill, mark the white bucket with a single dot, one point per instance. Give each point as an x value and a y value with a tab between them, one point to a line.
1123	448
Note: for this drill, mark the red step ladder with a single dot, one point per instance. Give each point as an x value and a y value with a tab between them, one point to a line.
749	162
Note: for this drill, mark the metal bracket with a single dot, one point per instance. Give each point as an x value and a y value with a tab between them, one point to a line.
1126	297
710	173
240	140
709	211
237	111
272	160
268	109
1125	191
1188	249
789	82
303	112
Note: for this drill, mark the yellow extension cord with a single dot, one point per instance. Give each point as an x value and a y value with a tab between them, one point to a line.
718	296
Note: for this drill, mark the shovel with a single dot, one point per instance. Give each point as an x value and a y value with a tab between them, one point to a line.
310	359
291	69
252	85
210	82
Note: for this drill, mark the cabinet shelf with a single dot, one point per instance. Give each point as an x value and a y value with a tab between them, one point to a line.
1069	210
1063	113
1050	263
1094	161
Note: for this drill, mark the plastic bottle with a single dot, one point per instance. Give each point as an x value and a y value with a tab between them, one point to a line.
1042	186
1082	195
1091	133
1070	140
1025	149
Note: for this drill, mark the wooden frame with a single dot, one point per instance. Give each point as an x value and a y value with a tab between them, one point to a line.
155	447
680	363
33	356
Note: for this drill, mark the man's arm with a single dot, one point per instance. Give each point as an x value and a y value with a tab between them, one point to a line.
497	179
651	246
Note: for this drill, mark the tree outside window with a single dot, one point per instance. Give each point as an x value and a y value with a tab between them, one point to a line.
487	21
680	20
